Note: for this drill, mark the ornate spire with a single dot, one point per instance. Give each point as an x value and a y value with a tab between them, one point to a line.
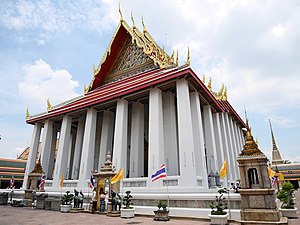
172	56
121	16
38	168
49	106
276	157
27	115
85	89
177	58
188	60
250	147
224	98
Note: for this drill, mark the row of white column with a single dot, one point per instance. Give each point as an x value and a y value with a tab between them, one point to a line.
180	145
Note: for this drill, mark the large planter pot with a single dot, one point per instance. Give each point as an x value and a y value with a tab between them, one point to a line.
289	213
127	213
161	215
218	219
65	208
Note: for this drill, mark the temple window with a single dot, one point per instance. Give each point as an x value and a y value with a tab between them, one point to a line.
253	177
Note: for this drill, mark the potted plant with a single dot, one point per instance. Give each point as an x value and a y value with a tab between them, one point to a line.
127	211
218	215
162	214
286	196
66	201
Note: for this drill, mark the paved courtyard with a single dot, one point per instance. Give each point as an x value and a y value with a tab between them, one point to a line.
18	215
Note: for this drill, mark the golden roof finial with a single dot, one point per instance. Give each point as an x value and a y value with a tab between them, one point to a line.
188	61
256	140
203	79
49	106
121	16
85	89
224	98
133	23
209	85
144	27
27	115
172	56
177	58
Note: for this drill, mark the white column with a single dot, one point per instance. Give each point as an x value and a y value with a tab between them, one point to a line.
210	142
231	162
88	147
237	127
235	148
62	152
225	142
36	134
185	135
137	141
106	142
78	148
120	138
46	144
52	153
156	135
170	134
201	169
219	141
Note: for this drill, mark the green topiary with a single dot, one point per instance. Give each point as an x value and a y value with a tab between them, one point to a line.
220	204
127	200
162	204
67	198
285	195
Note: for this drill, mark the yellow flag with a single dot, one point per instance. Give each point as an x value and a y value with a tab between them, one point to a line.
223	171
119	176
271	172
62	180
280	178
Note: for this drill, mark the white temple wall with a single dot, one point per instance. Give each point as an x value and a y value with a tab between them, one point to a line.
71	154
137	140
107	133
170	133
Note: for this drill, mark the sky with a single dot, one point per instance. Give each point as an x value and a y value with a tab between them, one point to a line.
48	49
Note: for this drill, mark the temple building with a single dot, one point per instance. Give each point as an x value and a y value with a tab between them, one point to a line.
146	110
290	171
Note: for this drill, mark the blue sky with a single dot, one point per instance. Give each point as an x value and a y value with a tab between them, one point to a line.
48	48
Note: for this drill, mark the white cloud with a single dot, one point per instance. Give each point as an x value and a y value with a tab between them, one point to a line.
42	82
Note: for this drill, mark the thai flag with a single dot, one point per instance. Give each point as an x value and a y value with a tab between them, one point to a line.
92	182
12	182
160	173
274	181
42	181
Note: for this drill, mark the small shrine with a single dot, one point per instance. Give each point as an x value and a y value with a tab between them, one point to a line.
257	195
103	179
34	178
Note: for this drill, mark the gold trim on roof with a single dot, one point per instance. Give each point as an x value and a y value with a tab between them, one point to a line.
203	79
188	60
49	106
27	115
142	40
209	85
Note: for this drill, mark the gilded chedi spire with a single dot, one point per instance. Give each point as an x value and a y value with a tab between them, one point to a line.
276	157
38	168
250	147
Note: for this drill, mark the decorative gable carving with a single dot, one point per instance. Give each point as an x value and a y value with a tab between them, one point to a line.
130	61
